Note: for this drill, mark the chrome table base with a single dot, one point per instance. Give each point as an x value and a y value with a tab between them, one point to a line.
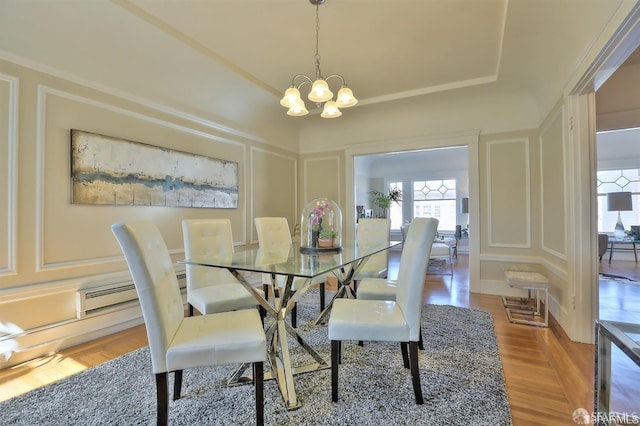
278	334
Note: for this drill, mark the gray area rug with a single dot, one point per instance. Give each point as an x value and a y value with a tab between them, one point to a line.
460	368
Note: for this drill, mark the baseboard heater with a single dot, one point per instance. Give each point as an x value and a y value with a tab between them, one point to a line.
111	296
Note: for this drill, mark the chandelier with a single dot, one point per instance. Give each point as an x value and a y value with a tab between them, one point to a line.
320	93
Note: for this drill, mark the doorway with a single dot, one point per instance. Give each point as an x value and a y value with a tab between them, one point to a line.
433	182
618	170
466	141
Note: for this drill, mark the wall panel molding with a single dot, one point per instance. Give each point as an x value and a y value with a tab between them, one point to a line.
8	265
501	199
553	188
305	176
41	119
252	189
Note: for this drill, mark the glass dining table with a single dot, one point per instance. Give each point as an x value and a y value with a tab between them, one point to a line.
289	261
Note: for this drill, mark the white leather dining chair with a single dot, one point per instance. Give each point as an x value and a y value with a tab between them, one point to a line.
177	342
212	290
372	231
440	250
380	320
373	288
274	232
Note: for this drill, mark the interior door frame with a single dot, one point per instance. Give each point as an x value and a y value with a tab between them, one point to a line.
581	128
469	139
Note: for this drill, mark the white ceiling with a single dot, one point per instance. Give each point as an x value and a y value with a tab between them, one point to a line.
232	59
618	149
454	158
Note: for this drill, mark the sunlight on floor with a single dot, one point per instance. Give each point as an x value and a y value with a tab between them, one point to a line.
44	370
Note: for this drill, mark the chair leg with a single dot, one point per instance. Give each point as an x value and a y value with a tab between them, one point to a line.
421	342
405	356
360	343
322	299
177	384
162	392
265	288
450	262
335	360
415	372
294	316
190	310
258	382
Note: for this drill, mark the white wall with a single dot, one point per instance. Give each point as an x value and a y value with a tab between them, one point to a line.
41	264
52	248
486	109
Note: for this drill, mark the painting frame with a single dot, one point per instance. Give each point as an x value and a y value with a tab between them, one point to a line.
107	170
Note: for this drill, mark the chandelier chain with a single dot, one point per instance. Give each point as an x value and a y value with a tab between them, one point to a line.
317	56
320	93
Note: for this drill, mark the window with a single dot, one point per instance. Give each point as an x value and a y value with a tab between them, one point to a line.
395	211
627	180
436	198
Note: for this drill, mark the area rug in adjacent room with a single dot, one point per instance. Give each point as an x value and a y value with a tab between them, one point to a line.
460	368
618	278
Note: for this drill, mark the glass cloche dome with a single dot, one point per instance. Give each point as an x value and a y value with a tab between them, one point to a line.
321	226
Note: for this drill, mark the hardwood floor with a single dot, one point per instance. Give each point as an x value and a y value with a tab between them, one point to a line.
620	301
628	269
547	376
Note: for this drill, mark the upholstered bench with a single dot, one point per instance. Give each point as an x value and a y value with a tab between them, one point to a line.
527	310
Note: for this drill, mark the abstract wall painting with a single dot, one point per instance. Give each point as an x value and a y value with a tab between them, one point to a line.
112	171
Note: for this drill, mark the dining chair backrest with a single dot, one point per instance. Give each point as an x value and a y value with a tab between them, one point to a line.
274	240
603	244
273	232
156	284
403	230
272	256
412	270
209	239
373	231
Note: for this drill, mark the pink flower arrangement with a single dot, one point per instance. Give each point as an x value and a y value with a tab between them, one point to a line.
321	209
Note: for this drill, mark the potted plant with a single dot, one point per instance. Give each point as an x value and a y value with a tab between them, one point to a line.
326	237
383	201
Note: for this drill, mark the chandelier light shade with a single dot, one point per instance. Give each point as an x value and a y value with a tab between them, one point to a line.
298	109
319	92
331	110
291	96
346	98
